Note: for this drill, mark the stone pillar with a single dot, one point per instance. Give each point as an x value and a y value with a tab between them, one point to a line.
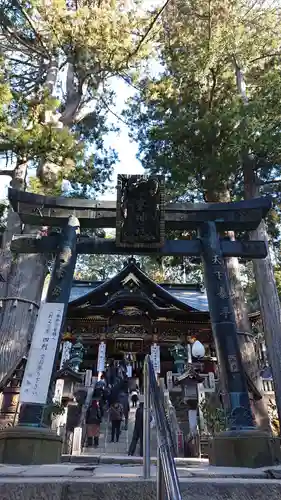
201	401
66	348
189	354
32	412
58	391
169	380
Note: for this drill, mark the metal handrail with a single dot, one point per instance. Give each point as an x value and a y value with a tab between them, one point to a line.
167	476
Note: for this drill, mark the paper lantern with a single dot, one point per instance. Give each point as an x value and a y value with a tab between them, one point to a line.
197	349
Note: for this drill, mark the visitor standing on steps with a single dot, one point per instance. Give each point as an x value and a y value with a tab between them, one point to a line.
93	421
138	430
116	416
124	401
135	397
99	393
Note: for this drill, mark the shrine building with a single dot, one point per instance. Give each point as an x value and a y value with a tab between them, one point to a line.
130	313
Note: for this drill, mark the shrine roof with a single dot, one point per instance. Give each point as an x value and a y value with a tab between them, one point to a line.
189	294
188	297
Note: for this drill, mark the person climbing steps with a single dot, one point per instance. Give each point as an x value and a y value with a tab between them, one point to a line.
116	416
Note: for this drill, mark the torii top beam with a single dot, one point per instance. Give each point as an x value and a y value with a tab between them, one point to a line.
38	210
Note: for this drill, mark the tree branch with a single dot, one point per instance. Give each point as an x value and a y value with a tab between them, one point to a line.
28	63
143	38
264	56
266	183
112	112
4	171
23	42
17	5
83	111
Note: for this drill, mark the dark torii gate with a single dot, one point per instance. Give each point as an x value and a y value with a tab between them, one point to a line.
141	218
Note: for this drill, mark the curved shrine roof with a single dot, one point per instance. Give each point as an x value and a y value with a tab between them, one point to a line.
186	297
190	295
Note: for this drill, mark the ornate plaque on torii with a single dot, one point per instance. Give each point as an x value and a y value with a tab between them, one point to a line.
140	218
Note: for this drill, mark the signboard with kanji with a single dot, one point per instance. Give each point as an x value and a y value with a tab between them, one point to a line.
129	345
40	362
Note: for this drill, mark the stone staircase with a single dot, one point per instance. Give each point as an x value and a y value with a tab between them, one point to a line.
121	448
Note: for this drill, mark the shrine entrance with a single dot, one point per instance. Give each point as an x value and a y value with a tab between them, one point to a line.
130	313
142	221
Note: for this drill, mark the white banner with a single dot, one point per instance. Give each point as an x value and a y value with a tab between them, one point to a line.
169	380
58	391
155	358
39	367
65	355
101	357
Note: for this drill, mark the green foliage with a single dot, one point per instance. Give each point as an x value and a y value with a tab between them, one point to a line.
35	186
98	267
59	58
193	123
217	419
26	135
190	121
102	267
53	409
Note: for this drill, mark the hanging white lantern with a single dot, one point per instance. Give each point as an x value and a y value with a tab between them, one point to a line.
198	350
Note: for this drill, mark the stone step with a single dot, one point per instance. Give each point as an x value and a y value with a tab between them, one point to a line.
97	457
122	447
81	488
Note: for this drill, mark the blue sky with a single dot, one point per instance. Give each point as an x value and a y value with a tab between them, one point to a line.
126	149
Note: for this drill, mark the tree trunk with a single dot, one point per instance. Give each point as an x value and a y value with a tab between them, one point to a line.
267	291
24	275
21	292
247	347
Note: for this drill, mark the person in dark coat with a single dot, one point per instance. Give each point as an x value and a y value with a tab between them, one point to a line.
115	415
99	393
138	430
93	421
124	400
111	374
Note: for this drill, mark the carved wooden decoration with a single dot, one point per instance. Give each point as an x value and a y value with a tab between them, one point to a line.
140	217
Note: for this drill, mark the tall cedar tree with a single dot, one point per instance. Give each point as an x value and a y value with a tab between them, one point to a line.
210	122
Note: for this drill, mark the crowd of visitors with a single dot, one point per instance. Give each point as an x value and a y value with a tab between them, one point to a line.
112	399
